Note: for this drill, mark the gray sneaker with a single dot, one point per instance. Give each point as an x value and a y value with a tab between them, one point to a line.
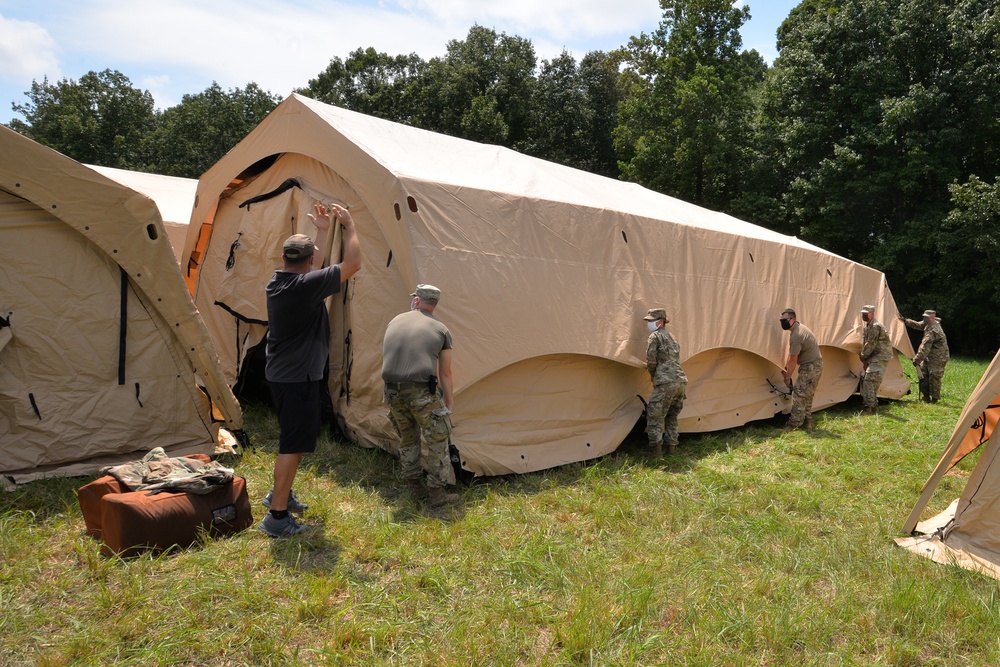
280	527
295	506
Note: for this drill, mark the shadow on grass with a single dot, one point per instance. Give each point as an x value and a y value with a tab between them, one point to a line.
312	551
43	499
376	471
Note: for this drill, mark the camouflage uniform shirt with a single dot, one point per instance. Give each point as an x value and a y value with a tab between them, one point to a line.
876	349
159	472
934	345
663	358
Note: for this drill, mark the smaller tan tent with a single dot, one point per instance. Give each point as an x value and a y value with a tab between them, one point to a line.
174	197
967	533
102	353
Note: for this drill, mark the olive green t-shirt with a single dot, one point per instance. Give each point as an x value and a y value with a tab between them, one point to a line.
413	343
803	343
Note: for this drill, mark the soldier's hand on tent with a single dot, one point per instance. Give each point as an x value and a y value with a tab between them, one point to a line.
788	380
320	217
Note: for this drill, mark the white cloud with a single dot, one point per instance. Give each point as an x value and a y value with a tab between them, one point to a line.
27	51
566	22
277	46
176	47
161	88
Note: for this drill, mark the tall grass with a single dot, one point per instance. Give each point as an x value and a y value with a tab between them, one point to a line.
748	547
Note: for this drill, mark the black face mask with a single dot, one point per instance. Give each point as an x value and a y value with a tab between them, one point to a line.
785	324
866	317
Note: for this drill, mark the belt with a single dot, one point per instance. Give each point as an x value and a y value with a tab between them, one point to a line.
400	386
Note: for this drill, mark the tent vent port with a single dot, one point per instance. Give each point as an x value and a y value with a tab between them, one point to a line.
395	208
625	236
151	232
412	203
388	261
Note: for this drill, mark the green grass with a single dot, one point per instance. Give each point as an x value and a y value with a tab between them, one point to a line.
746	548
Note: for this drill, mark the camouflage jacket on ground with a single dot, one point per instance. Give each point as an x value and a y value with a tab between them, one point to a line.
159	472
663	354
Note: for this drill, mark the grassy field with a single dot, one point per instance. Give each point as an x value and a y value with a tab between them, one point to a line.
746	548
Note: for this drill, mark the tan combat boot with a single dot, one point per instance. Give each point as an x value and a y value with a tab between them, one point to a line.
437	497
417	488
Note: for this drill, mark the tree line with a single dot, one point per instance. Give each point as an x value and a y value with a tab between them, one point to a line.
875	134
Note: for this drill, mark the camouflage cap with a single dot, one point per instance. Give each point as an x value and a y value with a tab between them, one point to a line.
930	313
868	309
298	246
427	292
654	314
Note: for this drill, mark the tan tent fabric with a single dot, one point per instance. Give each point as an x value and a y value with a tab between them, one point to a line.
967	533
174	197
546	272
77	251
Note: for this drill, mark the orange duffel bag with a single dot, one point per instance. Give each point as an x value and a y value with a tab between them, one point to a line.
130	522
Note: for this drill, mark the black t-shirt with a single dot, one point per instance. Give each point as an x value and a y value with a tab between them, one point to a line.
298	338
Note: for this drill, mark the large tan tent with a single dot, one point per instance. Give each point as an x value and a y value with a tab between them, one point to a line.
546	272
967	532
102	353
174	197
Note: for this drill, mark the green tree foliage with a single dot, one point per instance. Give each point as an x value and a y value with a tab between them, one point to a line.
574	111
970	243
100	119
684	124
877	105
370	82
480	90
599	72
193	135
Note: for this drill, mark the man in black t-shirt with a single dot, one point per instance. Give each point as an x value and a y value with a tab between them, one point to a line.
298	343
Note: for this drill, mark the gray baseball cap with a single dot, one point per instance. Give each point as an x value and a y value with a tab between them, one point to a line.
298	246
427	292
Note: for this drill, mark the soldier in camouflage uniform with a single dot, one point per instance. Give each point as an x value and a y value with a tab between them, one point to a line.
876	352
416	370
932	356
669	384
803	352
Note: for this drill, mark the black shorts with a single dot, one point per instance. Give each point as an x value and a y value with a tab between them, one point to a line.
298	415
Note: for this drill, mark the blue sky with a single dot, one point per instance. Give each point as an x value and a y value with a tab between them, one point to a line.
175	47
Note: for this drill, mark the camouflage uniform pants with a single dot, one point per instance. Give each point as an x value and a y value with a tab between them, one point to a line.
665	403
803	392
869	387
416	412
933	374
